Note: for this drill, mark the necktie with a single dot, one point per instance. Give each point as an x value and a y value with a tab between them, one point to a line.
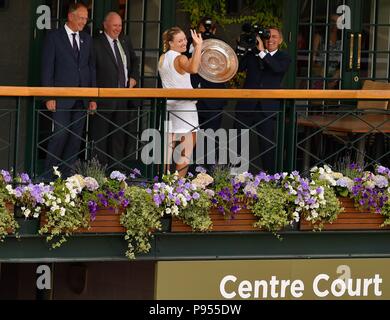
76	51
121	68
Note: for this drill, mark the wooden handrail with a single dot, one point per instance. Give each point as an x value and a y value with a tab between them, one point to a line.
13	91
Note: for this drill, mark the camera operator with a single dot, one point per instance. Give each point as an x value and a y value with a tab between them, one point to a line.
208	109
265	67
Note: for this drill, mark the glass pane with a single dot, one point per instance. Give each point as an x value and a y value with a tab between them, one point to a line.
318	46
153	10
320	9
366	37
152	32
384	12
302	40
382	65
368	10
317	84
333	84
317	66
150	83
136	10
382	40
364	66
135	30
304	11
302	64
333	5
122	9
302	84
151	59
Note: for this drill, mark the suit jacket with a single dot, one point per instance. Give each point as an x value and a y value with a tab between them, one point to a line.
106	66
60	68
265	73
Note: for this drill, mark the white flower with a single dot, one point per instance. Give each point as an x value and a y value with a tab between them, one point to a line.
56	172
62	211
314	214
27	213
175	210
296	216
10	189
314	169
168	210
327	168
202	180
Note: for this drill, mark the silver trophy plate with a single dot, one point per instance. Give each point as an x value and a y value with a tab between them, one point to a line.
218	62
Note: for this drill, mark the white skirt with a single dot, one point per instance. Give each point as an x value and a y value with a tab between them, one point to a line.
182	116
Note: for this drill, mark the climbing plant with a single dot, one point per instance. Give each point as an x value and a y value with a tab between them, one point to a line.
265	12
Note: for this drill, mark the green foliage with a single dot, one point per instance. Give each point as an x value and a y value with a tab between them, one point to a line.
91	168
7	220
222	177
271	208
63	213
140	219
386	212
196	214
329	212
265	12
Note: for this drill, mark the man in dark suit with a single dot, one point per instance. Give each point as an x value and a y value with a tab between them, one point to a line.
265	69
67	61
116	67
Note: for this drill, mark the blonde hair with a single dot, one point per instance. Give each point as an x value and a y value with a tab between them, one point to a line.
168	36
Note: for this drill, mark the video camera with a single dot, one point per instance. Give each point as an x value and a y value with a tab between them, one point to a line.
207	34
247	42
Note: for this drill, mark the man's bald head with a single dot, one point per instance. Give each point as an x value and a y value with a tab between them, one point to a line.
113	24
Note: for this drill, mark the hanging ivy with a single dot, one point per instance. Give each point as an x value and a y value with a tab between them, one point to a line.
265	12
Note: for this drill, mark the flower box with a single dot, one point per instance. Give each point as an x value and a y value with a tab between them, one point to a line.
10	208
350	219
106	221
243	220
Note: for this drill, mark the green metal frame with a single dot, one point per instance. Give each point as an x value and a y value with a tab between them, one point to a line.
205	246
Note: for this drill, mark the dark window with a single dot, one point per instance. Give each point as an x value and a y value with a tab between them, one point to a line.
3	4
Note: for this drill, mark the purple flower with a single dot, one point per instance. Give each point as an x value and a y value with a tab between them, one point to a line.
92	207
18	192
91	184
6	176
382	170
116	175
200	169
25	178
196	196
125	203
157	200
134	173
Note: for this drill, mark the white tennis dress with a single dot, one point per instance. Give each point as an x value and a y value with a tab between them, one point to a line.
182	115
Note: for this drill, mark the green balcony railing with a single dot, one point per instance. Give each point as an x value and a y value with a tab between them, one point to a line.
311	127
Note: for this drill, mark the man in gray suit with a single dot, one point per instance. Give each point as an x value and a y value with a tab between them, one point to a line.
116	67
67	61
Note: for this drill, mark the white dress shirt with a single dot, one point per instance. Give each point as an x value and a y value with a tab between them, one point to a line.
122	52
262	54
69	31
